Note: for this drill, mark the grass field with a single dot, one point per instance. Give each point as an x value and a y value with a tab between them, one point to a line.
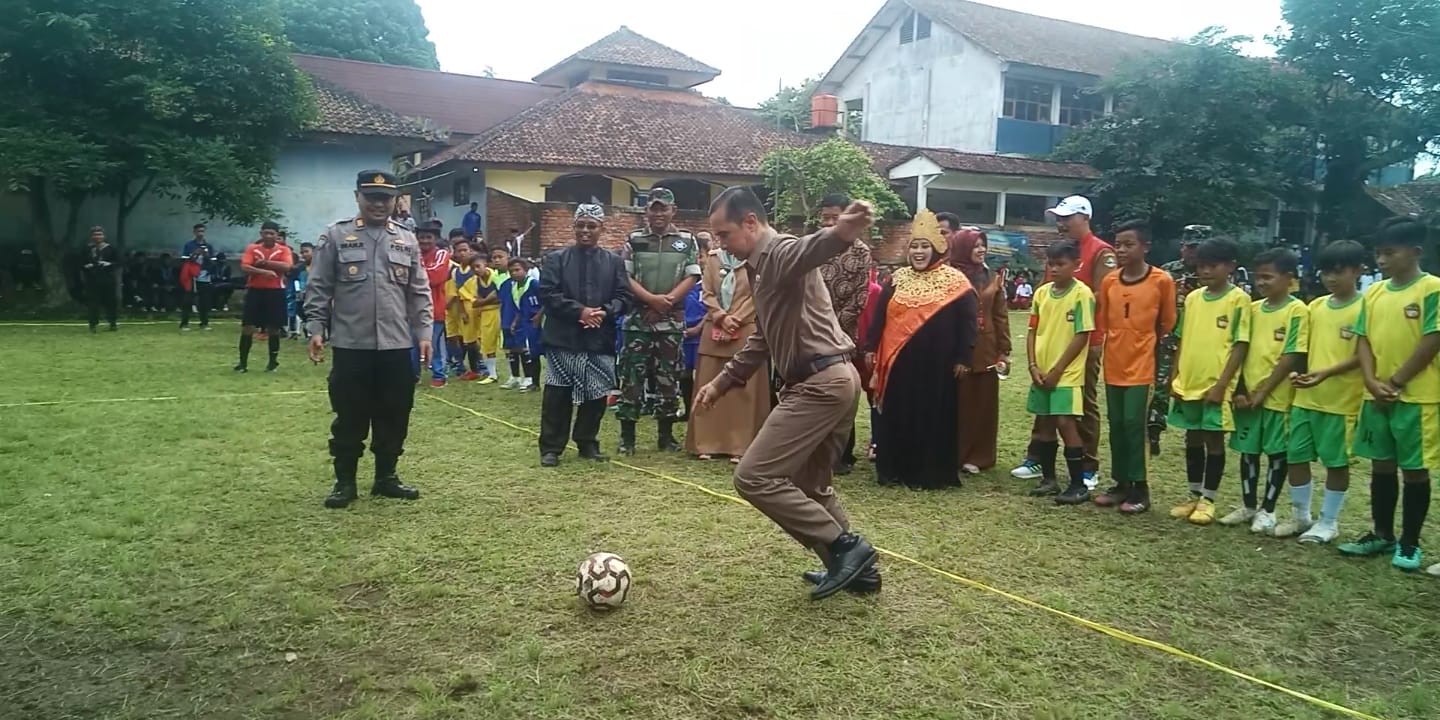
171	558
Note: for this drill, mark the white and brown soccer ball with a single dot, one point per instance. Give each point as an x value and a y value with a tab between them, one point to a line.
603	581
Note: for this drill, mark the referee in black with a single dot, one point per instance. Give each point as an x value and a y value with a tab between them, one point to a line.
369	289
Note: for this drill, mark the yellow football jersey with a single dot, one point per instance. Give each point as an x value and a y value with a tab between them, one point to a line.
1274	332
1394	318
1332	342
1209	328
1056	318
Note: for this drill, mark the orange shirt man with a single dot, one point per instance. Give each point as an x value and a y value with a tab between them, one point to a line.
1136	309
265	263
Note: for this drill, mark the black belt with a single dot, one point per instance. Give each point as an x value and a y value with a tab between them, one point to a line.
815	365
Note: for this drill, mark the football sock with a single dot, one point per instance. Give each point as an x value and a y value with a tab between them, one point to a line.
1075	463
1214	470
274	348
1300	499
490	365
1330	506
1195	469
532	368
472	353
1414	508
1045	450
514	366
1249	478
1384	491
245	342
1275	479
456	353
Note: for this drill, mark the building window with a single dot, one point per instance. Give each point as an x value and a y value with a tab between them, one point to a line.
914	27
855	119
1026	210
1027	100
1078	106
462	192
639	78
689	194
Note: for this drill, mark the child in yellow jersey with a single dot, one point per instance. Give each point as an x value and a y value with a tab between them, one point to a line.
487	317
1213	336
1279	338
1061	320
491	335
1327	395
1399	424
459	295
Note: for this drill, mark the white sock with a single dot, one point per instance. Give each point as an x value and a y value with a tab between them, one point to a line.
490	366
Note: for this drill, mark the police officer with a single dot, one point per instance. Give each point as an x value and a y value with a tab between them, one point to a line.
369	288
663	263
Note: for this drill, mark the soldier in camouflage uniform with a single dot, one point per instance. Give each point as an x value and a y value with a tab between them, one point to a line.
663	263
1182	271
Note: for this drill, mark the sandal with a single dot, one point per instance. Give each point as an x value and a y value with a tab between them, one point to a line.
704	457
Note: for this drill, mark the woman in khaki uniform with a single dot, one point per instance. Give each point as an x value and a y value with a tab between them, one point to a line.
728	428
980	389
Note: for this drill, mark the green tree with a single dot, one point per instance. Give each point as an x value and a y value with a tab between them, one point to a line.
1376	73
129	97
789	108
1198	135
380	31
799	177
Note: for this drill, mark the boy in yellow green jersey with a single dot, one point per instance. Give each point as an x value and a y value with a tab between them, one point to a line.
1279	338
1061	321
1399	424
1327	395
1213	336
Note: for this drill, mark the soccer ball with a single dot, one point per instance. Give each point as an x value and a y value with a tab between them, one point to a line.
603	581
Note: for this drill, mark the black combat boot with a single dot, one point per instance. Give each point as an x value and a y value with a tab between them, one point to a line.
668	443
866	583
344	491
592	452
387	484
627	438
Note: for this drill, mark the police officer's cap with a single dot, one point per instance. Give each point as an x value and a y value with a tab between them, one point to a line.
378	182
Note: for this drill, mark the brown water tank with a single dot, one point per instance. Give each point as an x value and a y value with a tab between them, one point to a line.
824	111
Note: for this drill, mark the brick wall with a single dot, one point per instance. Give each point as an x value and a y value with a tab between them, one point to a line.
504	211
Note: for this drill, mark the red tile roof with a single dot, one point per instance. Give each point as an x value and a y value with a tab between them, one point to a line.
464	104
345	113
1027	39
1413	199
627	47
609	126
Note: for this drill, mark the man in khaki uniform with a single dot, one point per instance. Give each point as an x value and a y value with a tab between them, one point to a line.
369	288
786	473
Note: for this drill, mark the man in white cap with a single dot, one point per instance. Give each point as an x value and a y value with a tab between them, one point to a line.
1097	259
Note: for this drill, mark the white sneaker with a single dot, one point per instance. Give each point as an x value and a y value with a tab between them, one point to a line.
969	469
1026	471
512	384
1238	516
527	385
1321	533
1292	527
1264	523
1433	570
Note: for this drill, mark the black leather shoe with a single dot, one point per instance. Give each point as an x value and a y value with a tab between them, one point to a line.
868	582
1076	494
391	487
844	468
667	442
549	460
1045	489
341	495
627	438
850	555
593	454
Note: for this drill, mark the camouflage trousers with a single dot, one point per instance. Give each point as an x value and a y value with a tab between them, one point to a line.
652	359
1160	400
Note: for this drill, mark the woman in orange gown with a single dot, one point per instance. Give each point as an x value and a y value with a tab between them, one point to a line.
922	338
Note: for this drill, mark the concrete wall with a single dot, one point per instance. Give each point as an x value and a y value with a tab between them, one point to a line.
442	191
943	91
315	186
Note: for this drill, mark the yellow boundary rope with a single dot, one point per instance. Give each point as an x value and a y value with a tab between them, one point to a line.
1102	628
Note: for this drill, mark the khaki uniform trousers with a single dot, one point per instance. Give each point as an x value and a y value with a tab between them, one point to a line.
786	473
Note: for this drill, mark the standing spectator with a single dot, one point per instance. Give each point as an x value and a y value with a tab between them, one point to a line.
195	242
520	321
846	278
436	261
979	389
195	283
1023	293
295	282
100	279
728	428
471	222
221	276
584	290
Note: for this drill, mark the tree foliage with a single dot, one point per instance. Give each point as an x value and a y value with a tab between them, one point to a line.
789	108
125	97
380	31
1199	135
1376	73
799	177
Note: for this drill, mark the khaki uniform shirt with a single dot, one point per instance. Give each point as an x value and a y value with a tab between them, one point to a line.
795	322
368	286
